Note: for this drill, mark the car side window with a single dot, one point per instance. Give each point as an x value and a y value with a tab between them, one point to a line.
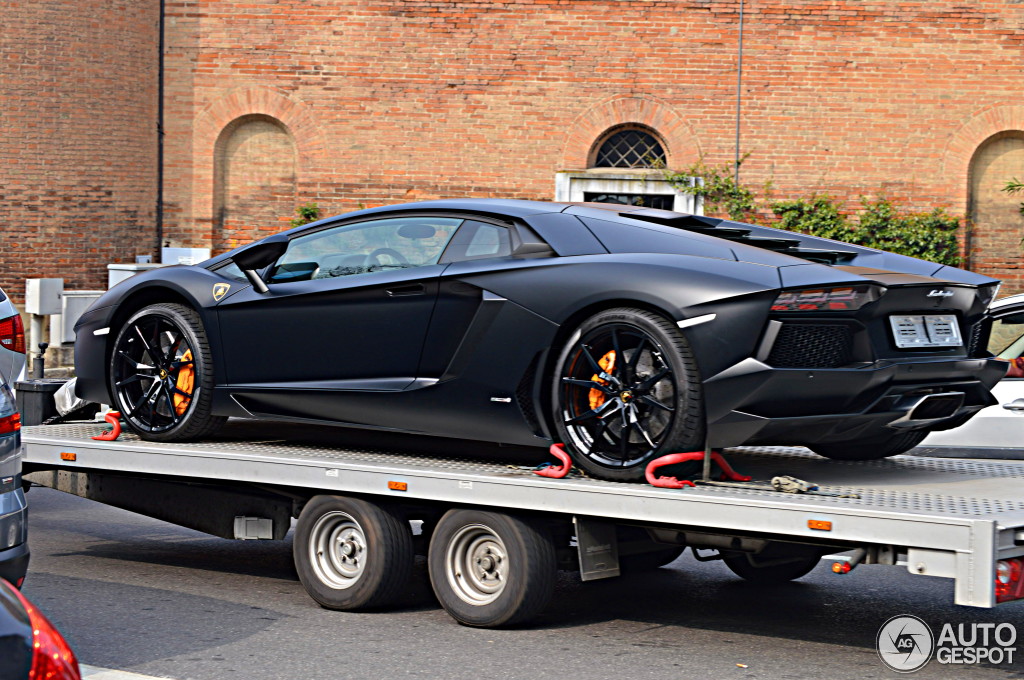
1006	340
364	247
479	240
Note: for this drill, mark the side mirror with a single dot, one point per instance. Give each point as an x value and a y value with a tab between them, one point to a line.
259	255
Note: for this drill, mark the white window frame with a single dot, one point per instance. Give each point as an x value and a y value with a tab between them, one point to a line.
570	187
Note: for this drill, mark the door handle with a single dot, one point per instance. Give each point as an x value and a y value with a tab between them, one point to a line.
405	291
1015	405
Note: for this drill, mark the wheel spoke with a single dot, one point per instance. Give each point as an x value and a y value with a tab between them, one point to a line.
170	405
640	428
153	355
620	363
593	362
589	384
636	354
594	413
129	380
648	399
135	364
654	379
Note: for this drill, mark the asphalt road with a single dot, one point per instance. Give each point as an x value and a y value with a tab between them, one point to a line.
136	594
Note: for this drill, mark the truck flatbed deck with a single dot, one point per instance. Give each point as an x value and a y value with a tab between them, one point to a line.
940	517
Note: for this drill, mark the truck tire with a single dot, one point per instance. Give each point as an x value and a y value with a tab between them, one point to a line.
489	569
351	554
775	564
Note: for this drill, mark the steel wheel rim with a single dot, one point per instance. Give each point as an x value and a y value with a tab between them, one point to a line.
477	566
337	550
637	397
150	355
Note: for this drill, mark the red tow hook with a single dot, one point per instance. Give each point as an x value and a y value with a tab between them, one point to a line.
114	418
556	471
673	458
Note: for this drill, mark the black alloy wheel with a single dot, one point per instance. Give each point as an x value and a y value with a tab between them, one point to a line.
626	391
161	374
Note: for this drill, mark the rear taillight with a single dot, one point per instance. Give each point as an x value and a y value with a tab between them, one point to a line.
837	299
12	334
1008	580
11	423
52	658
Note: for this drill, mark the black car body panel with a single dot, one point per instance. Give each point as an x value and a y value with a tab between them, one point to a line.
465	348
14	552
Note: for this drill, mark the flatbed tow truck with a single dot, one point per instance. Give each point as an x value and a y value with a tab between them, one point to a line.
495	534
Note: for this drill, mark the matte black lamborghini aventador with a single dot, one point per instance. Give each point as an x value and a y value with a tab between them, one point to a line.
621	331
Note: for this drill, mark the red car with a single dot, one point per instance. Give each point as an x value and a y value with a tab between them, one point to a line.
31	648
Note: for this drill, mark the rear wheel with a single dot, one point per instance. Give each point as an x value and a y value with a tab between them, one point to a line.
161	374
626	391
489	569
872	449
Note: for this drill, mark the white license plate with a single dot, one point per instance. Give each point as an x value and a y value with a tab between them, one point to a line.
925	330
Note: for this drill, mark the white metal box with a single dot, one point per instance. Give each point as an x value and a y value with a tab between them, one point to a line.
42	296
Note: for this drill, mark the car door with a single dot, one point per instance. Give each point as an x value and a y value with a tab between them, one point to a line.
1002	424
347	308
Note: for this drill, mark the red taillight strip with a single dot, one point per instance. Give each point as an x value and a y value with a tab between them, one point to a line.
11	423
52	658
12	334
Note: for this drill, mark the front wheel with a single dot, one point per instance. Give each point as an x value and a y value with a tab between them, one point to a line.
626	391
161	374
872	449
351	554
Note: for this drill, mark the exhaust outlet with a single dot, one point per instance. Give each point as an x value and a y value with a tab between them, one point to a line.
929	408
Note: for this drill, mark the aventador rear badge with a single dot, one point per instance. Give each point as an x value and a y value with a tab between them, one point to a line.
940	293
220	290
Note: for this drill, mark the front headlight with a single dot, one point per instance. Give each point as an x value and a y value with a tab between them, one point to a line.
831	299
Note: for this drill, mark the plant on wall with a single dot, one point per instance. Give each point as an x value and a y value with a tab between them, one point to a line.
306	213
880	223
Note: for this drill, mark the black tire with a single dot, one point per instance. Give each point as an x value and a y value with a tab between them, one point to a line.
649	561
775	564
489	569
659	415
872	449
146	377
351	554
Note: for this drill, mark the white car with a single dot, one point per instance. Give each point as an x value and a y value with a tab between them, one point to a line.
12	341
1000	426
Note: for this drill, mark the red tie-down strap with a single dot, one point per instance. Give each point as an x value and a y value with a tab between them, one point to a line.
674	458
114	418
556	471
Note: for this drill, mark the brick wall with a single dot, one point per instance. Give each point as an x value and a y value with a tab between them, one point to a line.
394	100
77	138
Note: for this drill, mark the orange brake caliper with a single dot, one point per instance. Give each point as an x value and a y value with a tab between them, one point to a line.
607	364
185	382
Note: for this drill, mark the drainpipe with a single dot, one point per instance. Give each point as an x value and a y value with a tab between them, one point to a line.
160	139
739	99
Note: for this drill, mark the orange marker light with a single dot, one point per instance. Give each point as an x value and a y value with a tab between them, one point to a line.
398	486
819	525
67	455
841	567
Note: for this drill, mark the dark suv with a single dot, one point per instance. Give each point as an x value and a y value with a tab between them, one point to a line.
13	511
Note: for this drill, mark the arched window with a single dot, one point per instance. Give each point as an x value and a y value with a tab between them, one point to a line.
994	245
254	188
629	147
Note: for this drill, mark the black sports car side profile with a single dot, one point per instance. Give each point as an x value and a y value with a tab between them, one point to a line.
621	331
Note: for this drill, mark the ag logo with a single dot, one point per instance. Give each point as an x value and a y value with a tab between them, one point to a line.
220	290
905	643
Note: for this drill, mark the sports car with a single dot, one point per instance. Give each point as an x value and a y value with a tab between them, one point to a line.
620	331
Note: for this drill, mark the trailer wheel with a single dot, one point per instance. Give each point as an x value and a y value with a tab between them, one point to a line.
775	564
489	569
351	554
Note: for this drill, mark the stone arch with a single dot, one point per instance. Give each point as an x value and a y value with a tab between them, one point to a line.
264	106
254	189
996	222
681	144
